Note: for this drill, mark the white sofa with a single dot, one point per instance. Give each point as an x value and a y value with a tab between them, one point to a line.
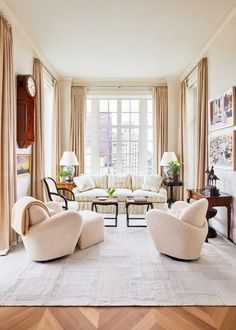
126	185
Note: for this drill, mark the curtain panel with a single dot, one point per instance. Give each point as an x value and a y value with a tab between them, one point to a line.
57	129
160	103
8	137
38	145
202	122
182	138
78	99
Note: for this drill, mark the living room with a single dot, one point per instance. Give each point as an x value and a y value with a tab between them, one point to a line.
117	99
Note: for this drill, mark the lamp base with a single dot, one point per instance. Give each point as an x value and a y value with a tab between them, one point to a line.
71	170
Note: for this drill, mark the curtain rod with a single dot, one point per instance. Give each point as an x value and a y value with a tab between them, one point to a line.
49	73
98	86
191	71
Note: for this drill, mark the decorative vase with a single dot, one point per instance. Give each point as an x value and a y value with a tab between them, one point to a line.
110	196
175	177
62	179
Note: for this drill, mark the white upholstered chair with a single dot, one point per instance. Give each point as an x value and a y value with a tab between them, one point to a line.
50	233
181	232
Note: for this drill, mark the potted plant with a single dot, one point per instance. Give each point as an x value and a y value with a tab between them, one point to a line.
174	167
63	174
111	191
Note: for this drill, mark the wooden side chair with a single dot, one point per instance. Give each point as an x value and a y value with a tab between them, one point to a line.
58	194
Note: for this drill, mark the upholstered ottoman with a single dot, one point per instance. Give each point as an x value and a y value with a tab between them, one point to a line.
92	230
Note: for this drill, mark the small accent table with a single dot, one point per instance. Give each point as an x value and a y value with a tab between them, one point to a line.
103	201
131	201
223	200
171	184
69	185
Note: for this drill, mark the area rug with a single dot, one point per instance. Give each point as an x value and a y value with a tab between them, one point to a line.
124	270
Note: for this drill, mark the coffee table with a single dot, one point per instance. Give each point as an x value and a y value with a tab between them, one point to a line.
103	201
130	200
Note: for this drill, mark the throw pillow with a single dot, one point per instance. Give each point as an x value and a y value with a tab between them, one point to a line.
84	182
152	183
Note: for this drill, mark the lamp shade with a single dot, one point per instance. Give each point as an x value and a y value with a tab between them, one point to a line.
168	157
69	159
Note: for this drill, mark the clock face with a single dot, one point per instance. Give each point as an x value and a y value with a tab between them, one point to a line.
31	87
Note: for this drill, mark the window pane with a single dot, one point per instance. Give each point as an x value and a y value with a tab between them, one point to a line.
112	120
134	134
103	105
125	147
113	105
89	105
149	105
103	118
150	118
135	106
150	134
125	119
125	134
134	119
125	105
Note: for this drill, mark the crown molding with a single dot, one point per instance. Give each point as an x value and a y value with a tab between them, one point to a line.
18	27
205	48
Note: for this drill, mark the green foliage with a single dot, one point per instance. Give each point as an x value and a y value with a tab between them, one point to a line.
111	191
64	173
174	166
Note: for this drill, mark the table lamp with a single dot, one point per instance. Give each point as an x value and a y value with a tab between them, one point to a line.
69	160
167	157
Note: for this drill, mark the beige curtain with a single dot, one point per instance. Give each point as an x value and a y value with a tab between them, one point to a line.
37	149
182	138
160	99
202	122
57	129
8	137
78	101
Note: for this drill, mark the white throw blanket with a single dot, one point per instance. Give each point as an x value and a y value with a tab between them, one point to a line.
20	213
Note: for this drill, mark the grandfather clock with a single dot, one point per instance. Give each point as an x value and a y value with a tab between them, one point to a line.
26	91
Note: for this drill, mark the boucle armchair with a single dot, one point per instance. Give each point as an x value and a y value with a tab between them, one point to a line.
181	232
47	233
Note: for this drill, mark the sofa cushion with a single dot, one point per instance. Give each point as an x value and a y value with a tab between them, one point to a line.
89	196
100	181
119	181
37	214
152	183
84	182
195	213
137	181
153	196
121	194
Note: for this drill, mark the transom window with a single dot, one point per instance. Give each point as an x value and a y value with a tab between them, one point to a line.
119	136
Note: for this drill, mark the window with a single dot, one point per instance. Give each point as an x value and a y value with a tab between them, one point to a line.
48	122
191	134
119	135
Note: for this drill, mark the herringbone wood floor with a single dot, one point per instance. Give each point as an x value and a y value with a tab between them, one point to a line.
125	318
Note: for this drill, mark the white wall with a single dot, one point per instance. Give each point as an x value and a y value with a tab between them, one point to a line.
222	75
221	54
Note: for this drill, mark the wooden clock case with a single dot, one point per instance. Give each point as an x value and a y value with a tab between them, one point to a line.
25	113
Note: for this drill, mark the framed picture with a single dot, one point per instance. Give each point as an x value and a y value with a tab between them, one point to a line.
222	110
222	149
23	162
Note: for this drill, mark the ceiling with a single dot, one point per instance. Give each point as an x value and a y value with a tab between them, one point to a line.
122	38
